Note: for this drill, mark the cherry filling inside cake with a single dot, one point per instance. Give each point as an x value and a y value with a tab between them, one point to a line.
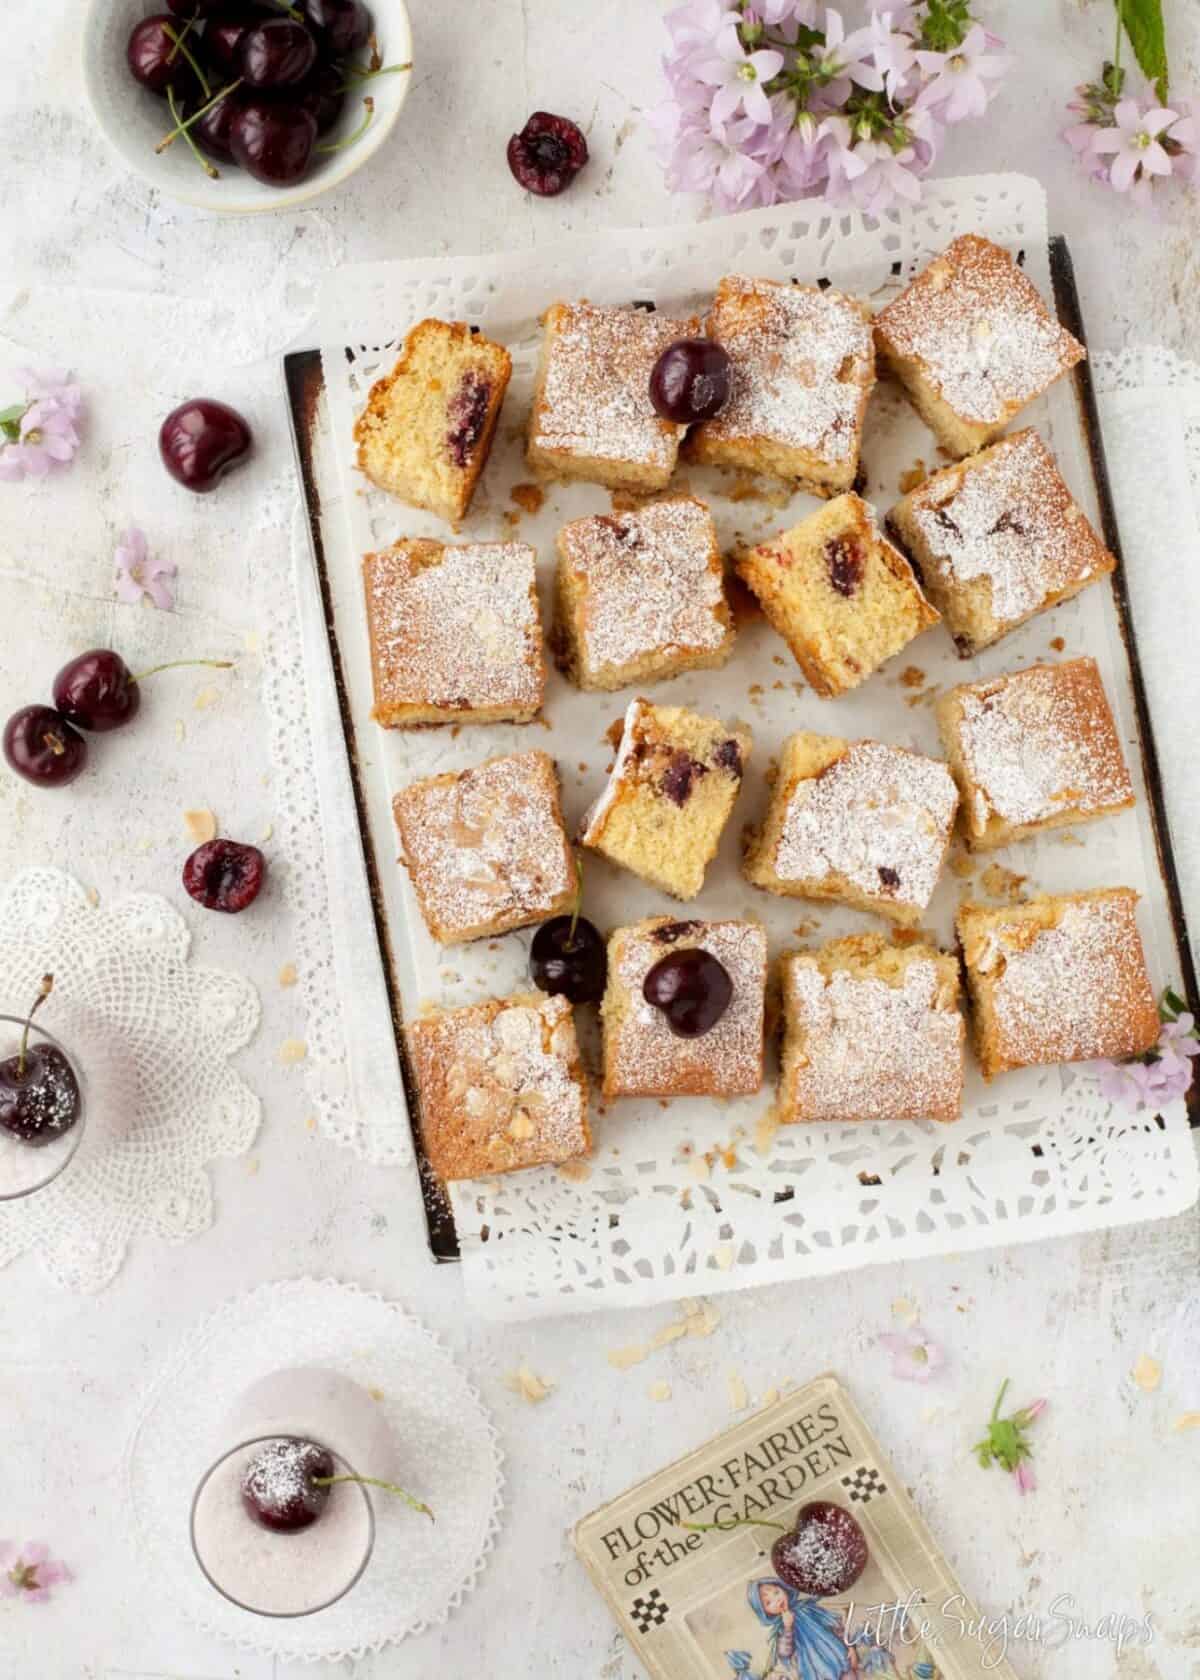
467	412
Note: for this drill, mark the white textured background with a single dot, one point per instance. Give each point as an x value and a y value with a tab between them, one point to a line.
1115	1522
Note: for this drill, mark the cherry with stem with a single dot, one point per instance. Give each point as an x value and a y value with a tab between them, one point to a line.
44	990
409	1499
190	122
181	47
364	125
210	169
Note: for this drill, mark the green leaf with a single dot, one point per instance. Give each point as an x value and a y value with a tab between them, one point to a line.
1172	1005
8	415
1143	20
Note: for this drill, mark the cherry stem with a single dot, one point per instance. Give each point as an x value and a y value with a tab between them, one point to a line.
209	169
356	72
55	743
179	46
179	664
291	11
373	1481
182	127
736	1522
44	991
362	128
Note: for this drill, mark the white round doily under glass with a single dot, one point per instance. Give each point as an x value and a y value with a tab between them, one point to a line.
419	1572
153	1034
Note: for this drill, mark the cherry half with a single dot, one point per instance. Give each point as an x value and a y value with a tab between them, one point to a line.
97	690
547	154
567	958
225	875
277	53
42	747
691	988
39	1094
690	381
273	142
202	440
285	1486
825	1552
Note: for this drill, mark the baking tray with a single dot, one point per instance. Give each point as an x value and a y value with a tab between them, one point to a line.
305	386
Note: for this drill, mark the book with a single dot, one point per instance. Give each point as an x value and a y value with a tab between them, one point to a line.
705	1603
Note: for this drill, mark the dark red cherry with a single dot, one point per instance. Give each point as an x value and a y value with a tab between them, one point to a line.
39	1095
225	875
42	747
154	58
193	8
341	26
280	1486
324	93
211	131
825	1553
277	53
567	958
691	988
547	154
202	440
690	381
96	691
224	34
274	143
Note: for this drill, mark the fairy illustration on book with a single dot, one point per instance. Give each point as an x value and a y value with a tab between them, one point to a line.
805	1641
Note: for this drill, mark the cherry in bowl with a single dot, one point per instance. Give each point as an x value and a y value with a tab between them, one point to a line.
276	54
274	141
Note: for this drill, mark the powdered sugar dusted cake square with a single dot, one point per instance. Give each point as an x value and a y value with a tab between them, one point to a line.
427	428
841	596
592	416
643	1057
670	793
1057	980
485	848
1033	750
857	822
997	539
972	342
641	595
456	634
871	1031
501	1086
802	367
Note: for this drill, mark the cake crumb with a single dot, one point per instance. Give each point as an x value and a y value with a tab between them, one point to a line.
768	1399
1004	884
528	1384
624	1358
916	474
739	1398
1147	1373
206	697
807	925
1067	838
1186	1421
288	975
528	497
267	832
912	676
963	864
1058	643
723	1255
575	1172
375	1393
659	1390
92	896
699	1167
292	1050
614	733
200	826
310	1125
765	1129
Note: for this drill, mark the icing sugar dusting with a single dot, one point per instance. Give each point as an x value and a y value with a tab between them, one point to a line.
879	816
979	326
1010	519
802	360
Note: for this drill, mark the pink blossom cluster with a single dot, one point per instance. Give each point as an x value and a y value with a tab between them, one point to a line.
41	434
776	99
1135	144
1160	1076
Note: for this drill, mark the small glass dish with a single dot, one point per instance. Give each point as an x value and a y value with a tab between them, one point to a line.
273	1574
26	1168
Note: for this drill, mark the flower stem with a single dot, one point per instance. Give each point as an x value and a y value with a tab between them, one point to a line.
180	46
735	1522
178	664
44	990
209	169
1117	47
362	128
182	127
999	1400
373	1481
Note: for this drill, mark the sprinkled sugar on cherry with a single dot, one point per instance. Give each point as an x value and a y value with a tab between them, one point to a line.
825	1552
39	1094
285	1486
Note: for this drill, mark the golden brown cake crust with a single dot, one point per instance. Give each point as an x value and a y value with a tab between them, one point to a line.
501	1086
642	1056
485	848
1059	979
456	632
872	1031
1036	749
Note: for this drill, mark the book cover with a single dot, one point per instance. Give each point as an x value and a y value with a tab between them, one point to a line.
707	1605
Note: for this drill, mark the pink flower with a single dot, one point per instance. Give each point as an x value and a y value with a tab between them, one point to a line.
1165	1077
916	1357
958	84
878	176
41	434
892	53
28	1571
1136	142
1034	1409
739	78
844	58
1024	1477
137	575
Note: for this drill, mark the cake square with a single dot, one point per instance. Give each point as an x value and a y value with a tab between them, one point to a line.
1036	749
856	822
485	848
427	429
871	1031
643	1057
670	793
997	539
592	416
843	599
972	342
802	364
1057	980
501	1086
641	595
456	633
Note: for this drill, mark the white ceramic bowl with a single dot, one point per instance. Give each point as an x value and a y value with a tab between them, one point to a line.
134	121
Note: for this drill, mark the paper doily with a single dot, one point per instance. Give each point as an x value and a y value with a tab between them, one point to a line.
417	1574
153	1035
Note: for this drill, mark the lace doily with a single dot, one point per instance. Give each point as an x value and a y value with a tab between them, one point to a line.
447	1450
153	1034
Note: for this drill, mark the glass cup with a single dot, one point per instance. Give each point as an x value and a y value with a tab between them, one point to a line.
271	1574
26	1168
